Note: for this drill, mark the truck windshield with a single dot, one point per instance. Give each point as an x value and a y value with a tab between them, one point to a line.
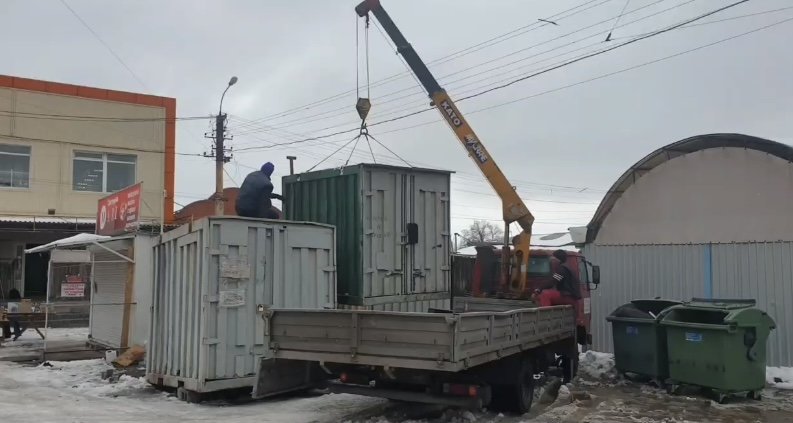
539	266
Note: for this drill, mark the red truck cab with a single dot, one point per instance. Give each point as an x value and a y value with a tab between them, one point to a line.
479	276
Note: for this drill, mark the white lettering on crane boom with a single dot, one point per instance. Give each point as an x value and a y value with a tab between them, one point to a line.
453	118
473	145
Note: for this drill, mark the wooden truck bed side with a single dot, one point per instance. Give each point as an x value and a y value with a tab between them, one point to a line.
431	341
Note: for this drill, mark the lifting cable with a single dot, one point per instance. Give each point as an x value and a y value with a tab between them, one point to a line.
363	104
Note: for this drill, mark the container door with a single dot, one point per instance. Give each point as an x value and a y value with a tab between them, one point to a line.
429	258
383	223
107	300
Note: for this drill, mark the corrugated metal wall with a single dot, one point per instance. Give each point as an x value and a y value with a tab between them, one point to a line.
762	271
206	332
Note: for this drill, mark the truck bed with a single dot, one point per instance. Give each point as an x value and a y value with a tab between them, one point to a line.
447	342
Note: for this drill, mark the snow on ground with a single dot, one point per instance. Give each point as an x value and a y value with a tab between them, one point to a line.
780	377
75	392
31	342
596	365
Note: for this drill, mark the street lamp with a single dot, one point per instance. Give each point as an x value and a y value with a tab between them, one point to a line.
220	152
455	241
232	81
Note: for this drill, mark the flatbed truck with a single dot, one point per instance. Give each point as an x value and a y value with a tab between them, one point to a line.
466	359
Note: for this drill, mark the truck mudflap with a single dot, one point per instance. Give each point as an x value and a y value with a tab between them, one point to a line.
276	376
480	399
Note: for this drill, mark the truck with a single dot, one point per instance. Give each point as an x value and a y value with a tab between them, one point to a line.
475	277
489	350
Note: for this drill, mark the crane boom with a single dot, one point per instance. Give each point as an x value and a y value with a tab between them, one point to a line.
514	209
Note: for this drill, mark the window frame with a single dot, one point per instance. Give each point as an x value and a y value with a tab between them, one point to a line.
105	160
29	155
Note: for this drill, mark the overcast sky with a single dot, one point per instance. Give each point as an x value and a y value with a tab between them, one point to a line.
562	147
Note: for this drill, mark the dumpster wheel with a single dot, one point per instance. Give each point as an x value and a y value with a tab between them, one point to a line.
755	395
672	388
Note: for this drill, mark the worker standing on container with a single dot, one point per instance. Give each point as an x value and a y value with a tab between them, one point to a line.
566	286
256	194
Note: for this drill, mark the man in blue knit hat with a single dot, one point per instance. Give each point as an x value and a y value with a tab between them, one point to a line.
256	194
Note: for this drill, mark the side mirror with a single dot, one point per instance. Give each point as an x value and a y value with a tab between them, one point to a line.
596	275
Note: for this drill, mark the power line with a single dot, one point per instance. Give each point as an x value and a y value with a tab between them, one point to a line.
107	46
457	54
512	82
602	76
344	110
598	53
230	177
509	71
732	18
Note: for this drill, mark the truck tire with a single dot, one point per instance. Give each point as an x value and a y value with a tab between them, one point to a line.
518	396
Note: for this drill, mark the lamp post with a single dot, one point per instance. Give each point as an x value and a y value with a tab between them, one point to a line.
220	151
456	235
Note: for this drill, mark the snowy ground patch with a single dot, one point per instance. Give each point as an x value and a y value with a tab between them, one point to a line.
31	342
75	392
596	365
780	377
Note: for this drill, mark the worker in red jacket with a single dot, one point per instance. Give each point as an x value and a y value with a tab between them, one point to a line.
565	288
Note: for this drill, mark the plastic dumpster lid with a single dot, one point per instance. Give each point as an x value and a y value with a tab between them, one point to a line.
656	305
721	303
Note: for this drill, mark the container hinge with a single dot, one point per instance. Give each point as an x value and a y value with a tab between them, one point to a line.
353	352
274	347
264	310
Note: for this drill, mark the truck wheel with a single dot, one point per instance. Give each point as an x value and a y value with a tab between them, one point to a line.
517	397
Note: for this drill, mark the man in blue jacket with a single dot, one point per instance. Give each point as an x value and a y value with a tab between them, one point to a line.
256	194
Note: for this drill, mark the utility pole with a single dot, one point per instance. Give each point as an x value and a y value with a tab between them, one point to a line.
219	153
220	159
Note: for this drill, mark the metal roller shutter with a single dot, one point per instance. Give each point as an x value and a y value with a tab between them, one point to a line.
107	299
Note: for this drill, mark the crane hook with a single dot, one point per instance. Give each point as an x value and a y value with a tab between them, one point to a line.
363	105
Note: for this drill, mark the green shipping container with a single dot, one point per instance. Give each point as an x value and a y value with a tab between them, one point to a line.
392	231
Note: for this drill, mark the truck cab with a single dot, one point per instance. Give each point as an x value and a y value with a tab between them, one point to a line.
478	276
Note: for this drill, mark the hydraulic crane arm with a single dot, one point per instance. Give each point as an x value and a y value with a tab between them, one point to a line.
514	209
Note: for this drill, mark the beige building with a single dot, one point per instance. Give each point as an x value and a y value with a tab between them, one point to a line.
709	216
62	148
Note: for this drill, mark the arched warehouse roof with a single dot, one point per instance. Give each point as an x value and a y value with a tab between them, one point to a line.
675	150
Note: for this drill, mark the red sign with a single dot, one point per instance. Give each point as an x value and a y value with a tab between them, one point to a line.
119	212
73	290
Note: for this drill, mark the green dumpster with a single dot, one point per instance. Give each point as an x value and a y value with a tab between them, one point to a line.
718	344
639	341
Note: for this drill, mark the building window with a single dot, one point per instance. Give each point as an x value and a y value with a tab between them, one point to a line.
101	172
14	166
